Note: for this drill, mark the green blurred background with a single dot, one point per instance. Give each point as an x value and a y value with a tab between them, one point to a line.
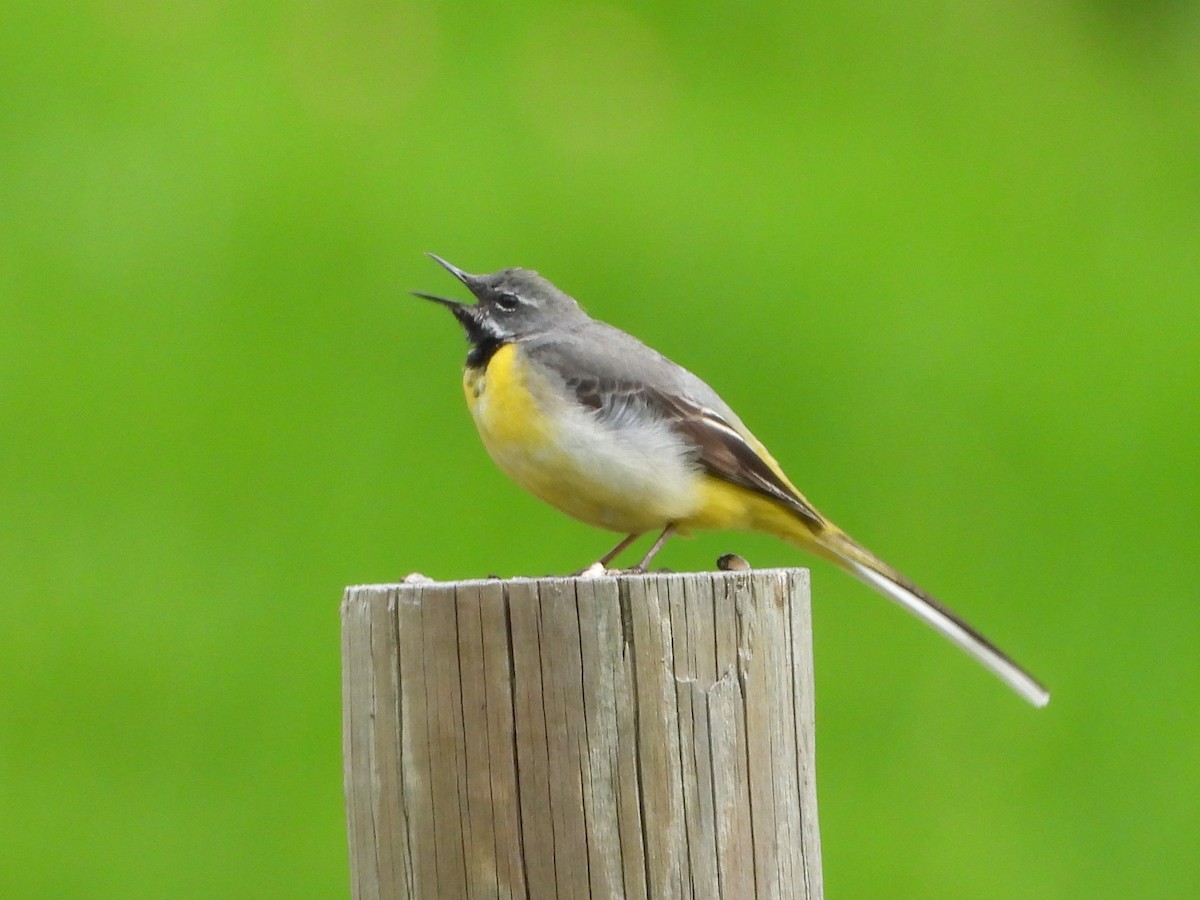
943	257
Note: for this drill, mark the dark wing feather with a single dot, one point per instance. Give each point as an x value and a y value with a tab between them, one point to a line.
720	448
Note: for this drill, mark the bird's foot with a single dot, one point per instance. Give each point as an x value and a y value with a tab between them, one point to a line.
595	570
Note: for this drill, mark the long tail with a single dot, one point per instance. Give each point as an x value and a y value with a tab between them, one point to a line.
848	554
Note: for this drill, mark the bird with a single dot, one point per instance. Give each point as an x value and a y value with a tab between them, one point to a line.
611	432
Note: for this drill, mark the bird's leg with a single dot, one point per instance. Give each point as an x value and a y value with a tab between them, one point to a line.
611	554
617	550
658	545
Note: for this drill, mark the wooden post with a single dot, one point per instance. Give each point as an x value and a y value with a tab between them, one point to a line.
619	737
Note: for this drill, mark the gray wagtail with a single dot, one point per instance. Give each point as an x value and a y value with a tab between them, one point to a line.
611	432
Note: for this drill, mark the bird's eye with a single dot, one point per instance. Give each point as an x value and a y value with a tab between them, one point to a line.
507	302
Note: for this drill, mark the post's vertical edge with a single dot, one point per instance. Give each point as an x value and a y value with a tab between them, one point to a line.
566	732
775	600
480	841
727	723
657	737
447	763
357	689
375	812
754	638
529	724
393	862
611	806
800	649
689	605
415	730
501	739
776	710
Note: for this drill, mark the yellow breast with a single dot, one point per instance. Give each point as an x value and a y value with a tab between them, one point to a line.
506	410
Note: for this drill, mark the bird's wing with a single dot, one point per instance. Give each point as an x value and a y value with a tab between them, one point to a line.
720	448
669	393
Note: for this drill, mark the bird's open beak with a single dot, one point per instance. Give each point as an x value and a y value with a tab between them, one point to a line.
445	301
465	277
464	312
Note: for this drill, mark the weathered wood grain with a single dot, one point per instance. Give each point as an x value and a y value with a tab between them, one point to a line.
621	737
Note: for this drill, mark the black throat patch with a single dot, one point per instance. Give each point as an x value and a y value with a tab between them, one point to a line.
481	335
482	350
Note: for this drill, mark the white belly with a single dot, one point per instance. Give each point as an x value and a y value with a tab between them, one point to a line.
627	476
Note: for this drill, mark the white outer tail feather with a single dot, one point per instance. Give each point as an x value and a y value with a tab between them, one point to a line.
1007	671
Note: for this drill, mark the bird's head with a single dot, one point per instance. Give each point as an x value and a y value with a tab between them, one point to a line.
510	305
